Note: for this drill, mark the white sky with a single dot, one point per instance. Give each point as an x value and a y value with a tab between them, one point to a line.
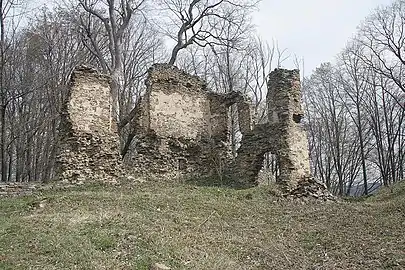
315	30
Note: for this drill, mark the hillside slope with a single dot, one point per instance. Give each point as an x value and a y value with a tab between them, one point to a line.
190	227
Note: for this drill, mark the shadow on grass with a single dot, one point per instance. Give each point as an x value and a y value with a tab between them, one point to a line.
215	181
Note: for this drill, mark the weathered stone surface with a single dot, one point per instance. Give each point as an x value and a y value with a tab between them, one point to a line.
284	99
89	143
178	104
282	135
254	145
181	127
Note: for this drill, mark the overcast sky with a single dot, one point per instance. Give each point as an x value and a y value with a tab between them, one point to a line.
313	29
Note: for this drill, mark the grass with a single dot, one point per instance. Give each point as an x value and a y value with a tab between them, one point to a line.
198	227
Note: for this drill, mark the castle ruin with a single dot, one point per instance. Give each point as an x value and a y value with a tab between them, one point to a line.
180	127
283	135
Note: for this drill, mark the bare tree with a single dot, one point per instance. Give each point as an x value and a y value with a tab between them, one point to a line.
204	22
333	141
383	36
386	120
353	77
120	37
38	60
8	30
115	17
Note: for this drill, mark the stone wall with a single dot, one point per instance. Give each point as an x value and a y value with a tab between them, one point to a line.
284	98
178	104
88	141
11	189
172	124
89	105
283	135
181	126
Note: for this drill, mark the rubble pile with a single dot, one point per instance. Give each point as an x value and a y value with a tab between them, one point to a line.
11	189
311	189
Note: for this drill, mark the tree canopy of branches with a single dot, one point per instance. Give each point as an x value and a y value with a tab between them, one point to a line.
205	22
356	107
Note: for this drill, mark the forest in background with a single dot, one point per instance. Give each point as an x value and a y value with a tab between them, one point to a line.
355	106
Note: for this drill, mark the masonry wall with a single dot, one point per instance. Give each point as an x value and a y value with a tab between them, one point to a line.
88	142
283	135
89	106
179	106
284	98
183	127
174	128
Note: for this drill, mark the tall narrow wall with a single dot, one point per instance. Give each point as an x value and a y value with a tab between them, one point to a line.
88	142
174	127
284	106
283	135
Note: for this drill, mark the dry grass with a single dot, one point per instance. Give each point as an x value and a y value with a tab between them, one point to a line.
190	227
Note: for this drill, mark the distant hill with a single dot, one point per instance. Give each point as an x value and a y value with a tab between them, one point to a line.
358	190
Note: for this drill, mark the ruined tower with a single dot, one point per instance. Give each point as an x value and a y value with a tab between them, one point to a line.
285	111
88	141
283	135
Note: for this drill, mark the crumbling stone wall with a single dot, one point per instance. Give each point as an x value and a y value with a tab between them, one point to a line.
284	99
88	141
178	105
283	135
219	105
172	120
181	127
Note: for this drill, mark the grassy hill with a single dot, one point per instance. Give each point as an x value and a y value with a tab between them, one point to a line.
192	227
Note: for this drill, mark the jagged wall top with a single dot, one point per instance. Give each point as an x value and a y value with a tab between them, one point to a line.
175	103
284	96
88	73
89	104
161	73
88	145
284	76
